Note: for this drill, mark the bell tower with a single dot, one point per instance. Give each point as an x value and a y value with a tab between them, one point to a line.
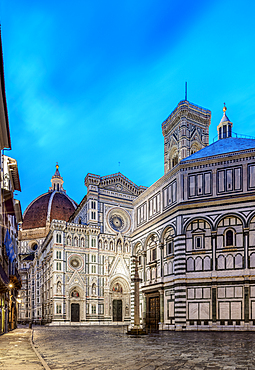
185	132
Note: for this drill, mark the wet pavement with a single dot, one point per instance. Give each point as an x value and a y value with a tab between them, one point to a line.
105	348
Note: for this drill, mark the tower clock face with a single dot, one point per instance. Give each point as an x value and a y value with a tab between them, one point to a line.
118	220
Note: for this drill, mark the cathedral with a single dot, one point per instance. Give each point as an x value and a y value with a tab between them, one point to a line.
191	235
75	259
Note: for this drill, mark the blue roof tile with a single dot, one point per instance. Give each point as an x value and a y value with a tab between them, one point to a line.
223	146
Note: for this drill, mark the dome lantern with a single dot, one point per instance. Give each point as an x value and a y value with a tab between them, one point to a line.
225	126
53	205
57	181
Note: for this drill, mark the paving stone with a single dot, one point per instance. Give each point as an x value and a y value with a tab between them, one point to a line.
16	352
108	348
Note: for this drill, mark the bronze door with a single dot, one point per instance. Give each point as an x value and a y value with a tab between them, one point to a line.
75	312
117	309
153	314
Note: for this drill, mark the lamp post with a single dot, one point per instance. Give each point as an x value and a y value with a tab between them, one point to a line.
10	318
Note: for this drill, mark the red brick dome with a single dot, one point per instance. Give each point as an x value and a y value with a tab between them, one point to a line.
52	205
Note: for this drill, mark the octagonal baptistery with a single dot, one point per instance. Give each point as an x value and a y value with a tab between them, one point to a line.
55	204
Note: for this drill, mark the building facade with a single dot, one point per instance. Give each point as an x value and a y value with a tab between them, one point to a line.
37	218
77	269
192	234
195	243
10	216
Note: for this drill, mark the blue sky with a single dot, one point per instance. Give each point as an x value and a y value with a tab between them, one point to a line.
88	84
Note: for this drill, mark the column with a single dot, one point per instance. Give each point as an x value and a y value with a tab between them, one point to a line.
180	271
144	309
214	236
246	247
161	248
136	281
161	303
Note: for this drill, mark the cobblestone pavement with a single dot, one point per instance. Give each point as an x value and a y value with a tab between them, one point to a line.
16	352
105	348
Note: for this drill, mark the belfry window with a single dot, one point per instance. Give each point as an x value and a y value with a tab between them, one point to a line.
224	131
229	131
174	161
229	238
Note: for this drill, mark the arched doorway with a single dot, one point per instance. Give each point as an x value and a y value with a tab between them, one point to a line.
117	291
75	305
75	312
119	309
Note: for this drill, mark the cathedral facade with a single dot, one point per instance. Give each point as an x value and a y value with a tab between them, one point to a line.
77	264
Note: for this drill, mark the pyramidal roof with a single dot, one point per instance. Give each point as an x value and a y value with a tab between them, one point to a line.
225	118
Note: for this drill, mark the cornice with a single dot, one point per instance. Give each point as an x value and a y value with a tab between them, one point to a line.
193	204
193	113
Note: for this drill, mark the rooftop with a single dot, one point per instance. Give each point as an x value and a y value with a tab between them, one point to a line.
223	146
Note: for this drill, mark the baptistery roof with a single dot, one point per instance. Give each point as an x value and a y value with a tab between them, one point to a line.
55	204
224	146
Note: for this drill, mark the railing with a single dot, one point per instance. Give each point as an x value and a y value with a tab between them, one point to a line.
234	134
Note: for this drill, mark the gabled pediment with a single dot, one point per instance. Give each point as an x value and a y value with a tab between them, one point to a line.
75	280
118	187
119	267
198	231
120	183
195	135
